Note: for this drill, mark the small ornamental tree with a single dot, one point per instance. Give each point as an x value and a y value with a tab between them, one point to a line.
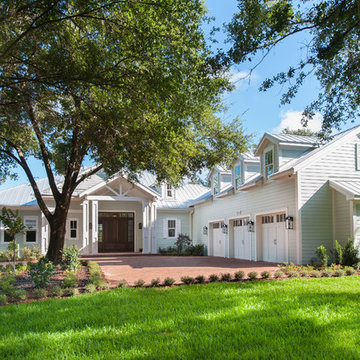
13	225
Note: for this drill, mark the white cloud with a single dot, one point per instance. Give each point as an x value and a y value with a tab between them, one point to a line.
292	120
244	77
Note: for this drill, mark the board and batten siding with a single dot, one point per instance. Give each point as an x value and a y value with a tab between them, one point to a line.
315	199
272	195
182	220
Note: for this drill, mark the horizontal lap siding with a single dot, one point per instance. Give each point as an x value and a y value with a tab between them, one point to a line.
270	196
342	218
357	223
316	198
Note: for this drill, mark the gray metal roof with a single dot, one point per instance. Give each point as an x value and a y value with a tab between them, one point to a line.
350	188
294	139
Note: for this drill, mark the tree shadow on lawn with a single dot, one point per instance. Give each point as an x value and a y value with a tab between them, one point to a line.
282	320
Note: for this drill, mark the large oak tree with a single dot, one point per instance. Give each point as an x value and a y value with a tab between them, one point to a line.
331	30
129	84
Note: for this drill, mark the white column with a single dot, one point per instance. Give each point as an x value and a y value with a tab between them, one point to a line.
44	234
153	248
94	231
85	244
145	227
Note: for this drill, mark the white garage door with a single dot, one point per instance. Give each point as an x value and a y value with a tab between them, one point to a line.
218	240
274	237
242	240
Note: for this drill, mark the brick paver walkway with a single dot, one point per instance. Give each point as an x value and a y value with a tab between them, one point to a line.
134	267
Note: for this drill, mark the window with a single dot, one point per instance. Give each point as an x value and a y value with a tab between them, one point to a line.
280	218
73	228
269	163
31	229
216	184
269	219
169	191
216	225
237	175
171	228
6	238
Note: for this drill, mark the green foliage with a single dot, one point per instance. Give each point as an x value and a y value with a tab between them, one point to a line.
155	282
226	277
20	268
90	288
304	272
293	274
350	271
239	275
19	295
122	284
315	273
27	254
187	280
139	283
70	258
265	274
95	276
350	254
200	279
7	283
3	256
338	253
56	291
331	31
252	275
70	280
104	285
327	273
3	299
71	292
40	293
213	278
41	273
278	274
168	281
182	242
322	255
339	273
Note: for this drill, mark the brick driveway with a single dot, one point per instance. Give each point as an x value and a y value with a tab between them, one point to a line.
147	267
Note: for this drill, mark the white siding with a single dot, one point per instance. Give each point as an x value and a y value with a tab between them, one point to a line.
273	195
316	198
357	223
342	225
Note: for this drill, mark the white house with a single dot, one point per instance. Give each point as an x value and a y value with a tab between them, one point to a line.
278	204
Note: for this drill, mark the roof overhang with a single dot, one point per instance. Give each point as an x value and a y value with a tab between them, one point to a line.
348	191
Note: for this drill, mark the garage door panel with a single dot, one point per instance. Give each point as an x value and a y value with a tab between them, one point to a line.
218	242
242	241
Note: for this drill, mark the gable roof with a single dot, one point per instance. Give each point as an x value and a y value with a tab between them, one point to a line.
349	188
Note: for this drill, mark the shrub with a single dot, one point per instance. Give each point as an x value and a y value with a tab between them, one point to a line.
155	282
170	250
304	272
252	275
90	288
122	284
41	272
169	281
327	273
239	275
19	295
36	253
40	293
140	283
3	299
3	256
315	274
338	253
350	271
200	279
103	285
70	280
20	268
27	254
187	280
183	241
265	274
84	262
70	258
95	276
350	254
7	282
56	291
293	274
71	292
322	255
213	278
226	277
339	273
278	274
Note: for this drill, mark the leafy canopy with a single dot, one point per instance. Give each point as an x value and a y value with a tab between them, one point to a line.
333	52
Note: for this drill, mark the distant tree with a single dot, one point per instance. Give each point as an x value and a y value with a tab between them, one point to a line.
333	51
128	84
13	225
303	131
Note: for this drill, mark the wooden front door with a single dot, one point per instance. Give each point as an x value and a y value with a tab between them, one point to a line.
116	232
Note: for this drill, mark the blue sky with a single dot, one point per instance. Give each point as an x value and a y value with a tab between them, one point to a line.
260	111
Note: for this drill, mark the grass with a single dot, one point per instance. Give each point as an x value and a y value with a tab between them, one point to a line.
297	318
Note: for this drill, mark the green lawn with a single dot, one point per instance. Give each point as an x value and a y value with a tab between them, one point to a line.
306	319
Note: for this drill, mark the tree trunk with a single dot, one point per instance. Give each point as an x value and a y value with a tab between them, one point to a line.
57	234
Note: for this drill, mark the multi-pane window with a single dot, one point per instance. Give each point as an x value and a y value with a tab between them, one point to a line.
280	218
269	163
237	175
240	222
216	184
216	225
169	191
171	228
73	224
31	229
269	219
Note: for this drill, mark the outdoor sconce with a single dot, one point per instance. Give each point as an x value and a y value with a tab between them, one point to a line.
251	226
224	228
205	230
140	225
289	223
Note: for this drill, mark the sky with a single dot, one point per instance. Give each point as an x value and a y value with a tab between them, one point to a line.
260	111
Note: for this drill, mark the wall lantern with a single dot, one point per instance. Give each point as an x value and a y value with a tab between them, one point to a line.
289	223
205	230
224	228
140	225
251	226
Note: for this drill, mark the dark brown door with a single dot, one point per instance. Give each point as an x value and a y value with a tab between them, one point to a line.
117	234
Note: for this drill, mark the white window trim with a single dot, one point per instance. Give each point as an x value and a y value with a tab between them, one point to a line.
167	228
271	164
36	229
172	197
68	229
218	184
238	177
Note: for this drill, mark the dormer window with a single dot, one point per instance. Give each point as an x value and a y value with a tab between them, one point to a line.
237	176
169	191
269	163
216	184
